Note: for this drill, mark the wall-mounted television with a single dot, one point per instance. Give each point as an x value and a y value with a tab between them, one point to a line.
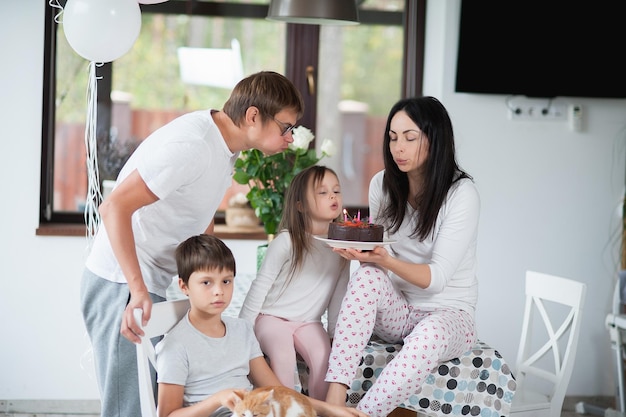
542	48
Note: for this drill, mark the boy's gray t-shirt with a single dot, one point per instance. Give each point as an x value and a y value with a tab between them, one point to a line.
205	365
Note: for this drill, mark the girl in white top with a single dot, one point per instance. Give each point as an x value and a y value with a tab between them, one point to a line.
299	280
422	291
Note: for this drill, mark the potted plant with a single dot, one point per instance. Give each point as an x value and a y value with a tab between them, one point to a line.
269	175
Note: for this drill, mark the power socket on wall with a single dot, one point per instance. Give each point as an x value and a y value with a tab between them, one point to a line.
536	111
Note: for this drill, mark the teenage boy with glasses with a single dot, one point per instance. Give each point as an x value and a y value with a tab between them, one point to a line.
168	190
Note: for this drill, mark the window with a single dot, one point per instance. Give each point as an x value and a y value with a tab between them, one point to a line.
143	90
354	97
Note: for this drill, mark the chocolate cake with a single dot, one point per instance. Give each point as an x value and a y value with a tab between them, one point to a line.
355	230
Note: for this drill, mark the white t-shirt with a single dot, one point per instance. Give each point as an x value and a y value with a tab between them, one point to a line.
188	166
318	286
205	365
450	251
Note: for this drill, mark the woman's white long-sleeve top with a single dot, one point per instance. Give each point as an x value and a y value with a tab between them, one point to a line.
450	251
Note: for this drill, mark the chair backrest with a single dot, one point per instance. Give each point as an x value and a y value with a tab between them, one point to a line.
556	341
164	316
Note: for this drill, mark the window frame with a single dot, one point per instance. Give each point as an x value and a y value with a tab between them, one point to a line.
297	60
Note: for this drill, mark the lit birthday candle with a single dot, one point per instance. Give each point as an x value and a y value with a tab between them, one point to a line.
345	215
358	215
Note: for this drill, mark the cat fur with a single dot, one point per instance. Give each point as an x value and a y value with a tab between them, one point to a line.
275	401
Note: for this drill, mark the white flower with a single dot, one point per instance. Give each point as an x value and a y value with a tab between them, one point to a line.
328	147
301	138
238	200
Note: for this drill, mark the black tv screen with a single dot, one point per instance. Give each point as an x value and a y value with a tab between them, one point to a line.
542	48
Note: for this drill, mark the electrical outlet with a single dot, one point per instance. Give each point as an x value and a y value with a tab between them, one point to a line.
536	112
575	117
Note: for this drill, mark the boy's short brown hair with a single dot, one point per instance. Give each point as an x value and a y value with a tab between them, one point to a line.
203	253
268	91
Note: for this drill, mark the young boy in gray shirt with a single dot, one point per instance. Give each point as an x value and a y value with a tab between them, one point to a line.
207	360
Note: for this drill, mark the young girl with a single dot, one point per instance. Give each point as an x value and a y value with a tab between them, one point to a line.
299	280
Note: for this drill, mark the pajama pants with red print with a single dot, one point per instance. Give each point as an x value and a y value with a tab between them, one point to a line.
430	336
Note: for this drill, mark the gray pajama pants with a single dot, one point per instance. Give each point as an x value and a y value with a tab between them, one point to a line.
102	304
373	306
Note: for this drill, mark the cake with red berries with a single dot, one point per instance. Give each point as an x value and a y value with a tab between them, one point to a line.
355	230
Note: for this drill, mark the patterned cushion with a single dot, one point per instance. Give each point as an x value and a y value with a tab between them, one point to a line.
478	383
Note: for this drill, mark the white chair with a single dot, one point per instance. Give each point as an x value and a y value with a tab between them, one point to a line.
547	349
615	323
164	316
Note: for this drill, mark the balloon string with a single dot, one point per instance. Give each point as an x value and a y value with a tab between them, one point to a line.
94	196
56	5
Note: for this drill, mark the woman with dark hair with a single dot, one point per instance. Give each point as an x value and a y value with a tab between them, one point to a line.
421	291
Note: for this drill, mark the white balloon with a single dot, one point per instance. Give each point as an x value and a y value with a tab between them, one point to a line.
101	30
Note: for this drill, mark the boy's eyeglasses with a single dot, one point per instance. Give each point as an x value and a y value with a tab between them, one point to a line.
285	127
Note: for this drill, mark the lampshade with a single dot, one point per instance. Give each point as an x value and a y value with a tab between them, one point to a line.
314	12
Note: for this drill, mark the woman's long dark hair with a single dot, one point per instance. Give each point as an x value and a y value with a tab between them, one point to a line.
441	168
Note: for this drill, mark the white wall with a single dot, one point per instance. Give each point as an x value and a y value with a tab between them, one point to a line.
550	202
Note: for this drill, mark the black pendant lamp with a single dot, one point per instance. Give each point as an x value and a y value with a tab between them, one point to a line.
314	12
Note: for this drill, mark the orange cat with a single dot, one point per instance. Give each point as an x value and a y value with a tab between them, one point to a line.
274	402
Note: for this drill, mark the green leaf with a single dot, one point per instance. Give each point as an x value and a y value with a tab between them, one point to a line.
270	176
241	177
